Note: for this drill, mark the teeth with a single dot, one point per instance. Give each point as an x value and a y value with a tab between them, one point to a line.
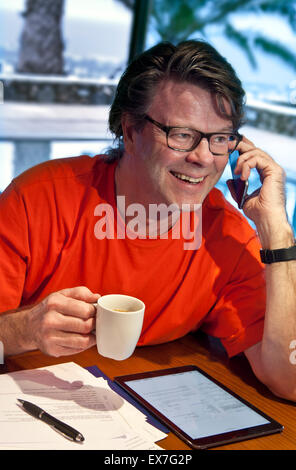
188	178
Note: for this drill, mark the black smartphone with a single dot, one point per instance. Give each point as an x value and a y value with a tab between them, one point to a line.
240	187
196	407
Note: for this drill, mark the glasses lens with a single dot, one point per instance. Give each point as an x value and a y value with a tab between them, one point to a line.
223	143
182	138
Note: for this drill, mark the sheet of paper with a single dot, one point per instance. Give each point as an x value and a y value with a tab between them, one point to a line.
73	395
134	418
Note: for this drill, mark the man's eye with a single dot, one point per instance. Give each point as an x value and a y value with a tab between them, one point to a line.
220	139
181	135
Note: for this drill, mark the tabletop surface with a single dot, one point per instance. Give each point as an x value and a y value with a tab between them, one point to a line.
197	350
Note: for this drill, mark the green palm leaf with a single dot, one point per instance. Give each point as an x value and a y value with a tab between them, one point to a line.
177	20
241	40
276	49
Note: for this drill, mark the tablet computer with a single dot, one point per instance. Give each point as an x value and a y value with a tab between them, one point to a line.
197	408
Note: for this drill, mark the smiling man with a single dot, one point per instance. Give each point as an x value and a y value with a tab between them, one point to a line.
176	116
172	161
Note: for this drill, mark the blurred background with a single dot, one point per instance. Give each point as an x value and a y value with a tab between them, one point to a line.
60	61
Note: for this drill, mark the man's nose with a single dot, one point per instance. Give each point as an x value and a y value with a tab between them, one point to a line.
201	154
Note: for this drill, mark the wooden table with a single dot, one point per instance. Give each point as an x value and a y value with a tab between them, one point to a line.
192	349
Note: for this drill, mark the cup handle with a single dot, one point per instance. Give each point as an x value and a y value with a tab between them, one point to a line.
94	330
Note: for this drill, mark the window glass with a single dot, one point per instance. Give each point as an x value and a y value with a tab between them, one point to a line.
259	40
62	110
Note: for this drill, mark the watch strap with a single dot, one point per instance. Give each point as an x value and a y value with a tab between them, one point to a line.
274	256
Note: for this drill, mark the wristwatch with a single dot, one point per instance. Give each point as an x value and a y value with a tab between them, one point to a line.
274	256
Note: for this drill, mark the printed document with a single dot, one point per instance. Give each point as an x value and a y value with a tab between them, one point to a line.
73	395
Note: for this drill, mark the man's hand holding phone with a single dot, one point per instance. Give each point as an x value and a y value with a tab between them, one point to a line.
265	205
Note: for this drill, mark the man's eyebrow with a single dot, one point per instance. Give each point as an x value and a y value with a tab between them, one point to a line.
226	129
223	129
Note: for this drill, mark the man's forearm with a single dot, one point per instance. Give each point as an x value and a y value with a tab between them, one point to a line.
14	331
280	320
60	324
280	328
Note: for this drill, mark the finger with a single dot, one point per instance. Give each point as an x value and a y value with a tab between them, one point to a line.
80	293
247	141
58	302
254	158
75	341
74	324
245	145
77	308
244	152
54	322
66	344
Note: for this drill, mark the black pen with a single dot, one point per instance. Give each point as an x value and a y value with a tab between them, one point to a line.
65	429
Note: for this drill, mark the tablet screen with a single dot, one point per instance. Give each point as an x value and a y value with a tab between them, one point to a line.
196	404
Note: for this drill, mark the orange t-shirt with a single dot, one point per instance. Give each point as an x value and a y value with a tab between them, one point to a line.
49	241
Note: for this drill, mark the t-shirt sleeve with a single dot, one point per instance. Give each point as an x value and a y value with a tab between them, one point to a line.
237	318
14	248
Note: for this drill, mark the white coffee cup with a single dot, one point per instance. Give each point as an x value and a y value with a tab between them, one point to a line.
118	325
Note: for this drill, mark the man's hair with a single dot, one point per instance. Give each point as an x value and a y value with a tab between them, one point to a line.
195	62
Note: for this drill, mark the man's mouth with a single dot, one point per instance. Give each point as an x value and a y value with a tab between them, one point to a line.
188	179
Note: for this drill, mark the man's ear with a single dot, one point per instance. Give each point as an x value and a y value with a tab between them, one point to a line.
128	130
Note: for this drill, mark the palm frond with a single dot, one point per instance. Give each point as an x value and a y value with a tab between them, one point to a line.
276	49
176	20
282	8
241	40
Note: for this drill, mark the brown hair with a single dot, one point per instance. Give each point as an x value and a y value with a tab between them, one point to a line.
193	61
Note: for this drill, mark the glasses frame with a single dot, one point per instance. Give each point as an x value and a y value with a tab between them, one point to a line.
203	135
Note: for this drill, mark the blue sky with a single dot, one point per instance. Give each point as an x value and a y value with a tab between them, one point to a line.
103	10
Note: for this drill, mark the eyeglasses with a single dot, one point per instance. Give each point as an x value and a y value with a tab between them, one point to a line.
184	139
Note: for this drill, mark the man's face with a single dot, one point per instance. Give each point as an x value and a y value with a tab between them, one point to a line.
158	174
